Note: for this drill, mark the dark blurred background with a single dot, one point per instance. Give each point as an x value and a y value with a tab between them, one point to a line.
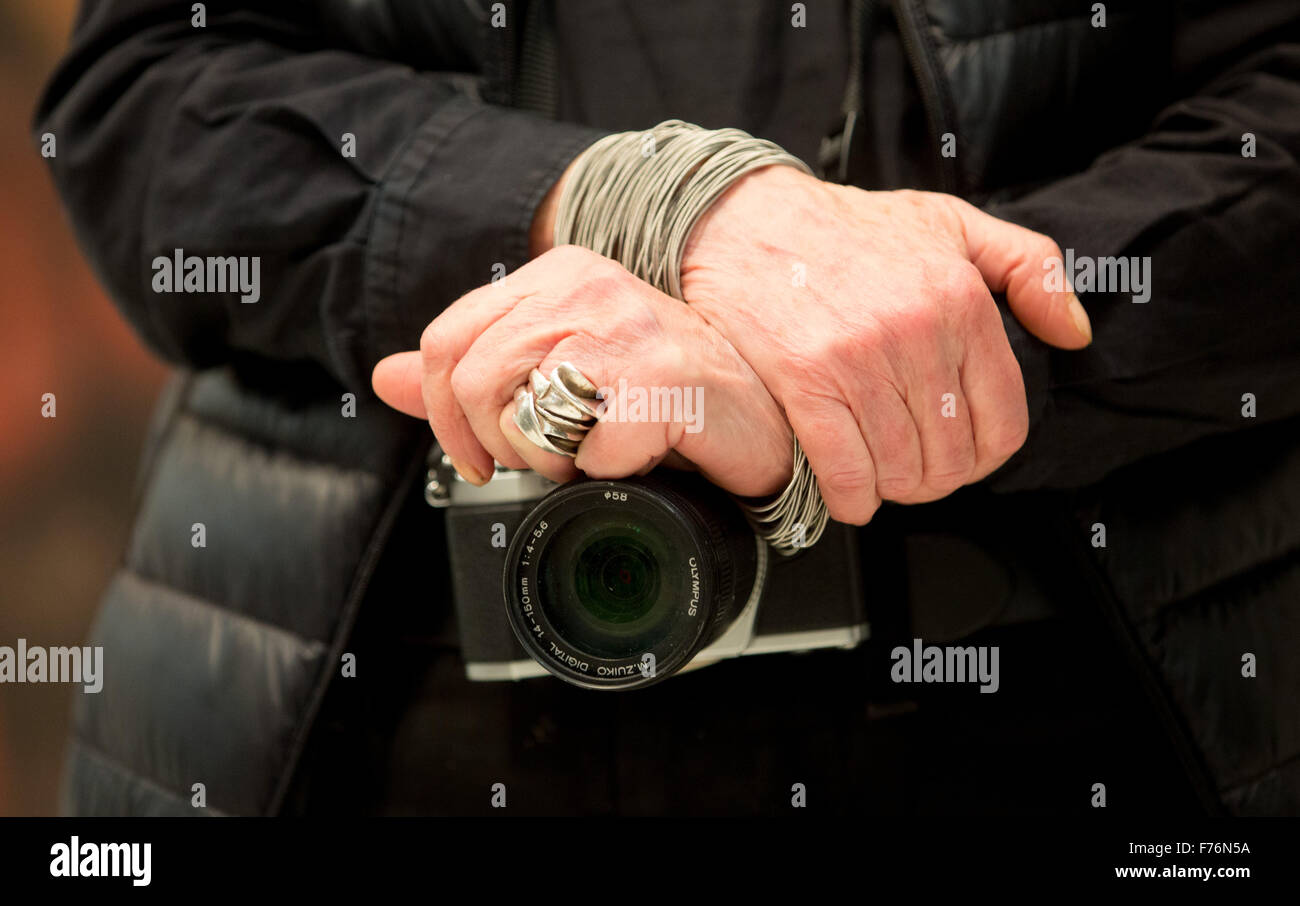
65	482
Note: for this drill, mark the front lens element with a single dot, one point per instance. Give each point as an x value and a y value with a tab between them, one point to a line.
603	587
616	580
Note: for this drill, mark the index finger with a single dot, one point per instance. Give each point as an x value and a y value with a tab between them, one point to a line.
442	345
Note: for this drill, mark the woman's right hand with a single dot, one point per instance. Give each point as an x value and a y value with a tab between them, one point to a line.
869	317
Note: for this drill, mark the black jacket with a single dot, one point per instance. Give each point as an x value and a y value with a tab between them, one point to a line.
226	140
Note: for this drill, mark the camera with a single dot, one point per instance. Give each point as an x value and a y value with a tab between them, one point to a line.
619	584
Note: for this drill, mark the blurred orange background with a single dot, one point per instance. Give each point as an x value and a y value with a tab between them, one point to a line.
65	482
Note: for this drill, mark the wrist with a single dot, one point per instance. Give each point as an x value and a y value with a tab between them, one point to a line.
541	234
735	220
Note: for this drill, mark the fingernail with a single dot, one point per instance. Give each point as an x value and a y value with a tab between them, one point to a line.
1080	317
469	473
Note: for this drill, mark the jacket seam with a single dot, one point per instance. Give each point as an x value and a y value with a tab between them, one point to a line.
1182	603
225	610
1262	775
244	435
123	768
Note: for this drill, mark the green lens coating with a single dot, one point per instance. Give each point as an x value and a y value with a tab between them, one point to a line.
616	579
611	586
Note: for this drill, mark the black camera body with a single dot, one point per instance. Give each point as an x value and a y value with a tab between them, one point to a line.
619	584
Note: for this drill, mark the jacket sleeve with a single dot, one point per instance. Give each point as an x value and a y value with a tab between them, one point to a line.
229	140
1219	226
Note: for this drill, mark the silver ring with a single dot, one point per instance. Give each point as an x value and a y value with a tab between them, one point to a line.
555	414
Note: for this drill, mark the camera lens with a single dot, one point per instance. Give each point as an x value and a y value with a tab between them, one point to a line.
615	584
616	580
609	573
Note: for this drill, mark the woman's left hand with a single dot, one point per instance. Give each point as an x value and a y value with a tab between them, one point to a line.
571	304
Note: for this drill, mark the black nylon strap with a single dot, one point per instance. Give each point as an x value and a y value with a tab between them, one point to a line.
535	87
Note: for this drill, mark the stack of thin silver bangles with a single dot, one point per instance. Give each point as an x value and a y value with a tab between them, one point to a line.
634	197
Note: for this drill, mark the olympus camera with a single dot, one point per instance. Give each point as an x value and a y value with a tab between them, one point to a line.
619	584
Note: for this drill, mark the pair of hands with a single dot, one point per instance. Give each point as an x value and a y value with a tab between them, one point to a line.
861	321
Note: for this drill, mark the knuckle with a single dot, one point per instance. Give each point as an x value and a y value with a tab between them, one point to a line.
962	286
952	466
850	494
633	334
1007	437
897	458
948	479
1047	246
850	511
900	484
611	291
467	384
919	321
915	197
1042	249
851	345
814	410
828	349
637	312
432	344
852	480
1016	433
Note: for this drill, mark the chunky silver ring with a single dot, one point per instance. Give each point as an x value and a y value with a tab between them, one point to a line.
555	414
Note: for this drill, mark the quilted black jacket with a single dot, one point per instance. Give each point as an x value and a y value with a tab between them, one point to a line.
1117	139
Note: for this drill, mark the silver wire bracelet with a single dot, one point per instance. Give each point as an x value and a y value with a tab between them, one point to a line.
634	197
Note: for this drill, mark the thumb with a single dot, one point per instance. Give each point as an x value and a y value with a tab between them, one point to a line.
396	381
1017	261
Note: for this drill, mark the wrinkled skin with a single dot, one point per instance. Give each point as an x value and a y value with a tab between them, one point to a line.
571	304
862	321
894	312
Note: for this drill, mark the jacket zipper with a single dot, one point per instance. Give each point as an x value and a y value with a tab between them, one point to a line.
920	55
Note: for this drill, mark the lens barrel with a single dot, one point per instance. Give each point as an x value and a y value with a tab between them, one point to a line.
618	584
